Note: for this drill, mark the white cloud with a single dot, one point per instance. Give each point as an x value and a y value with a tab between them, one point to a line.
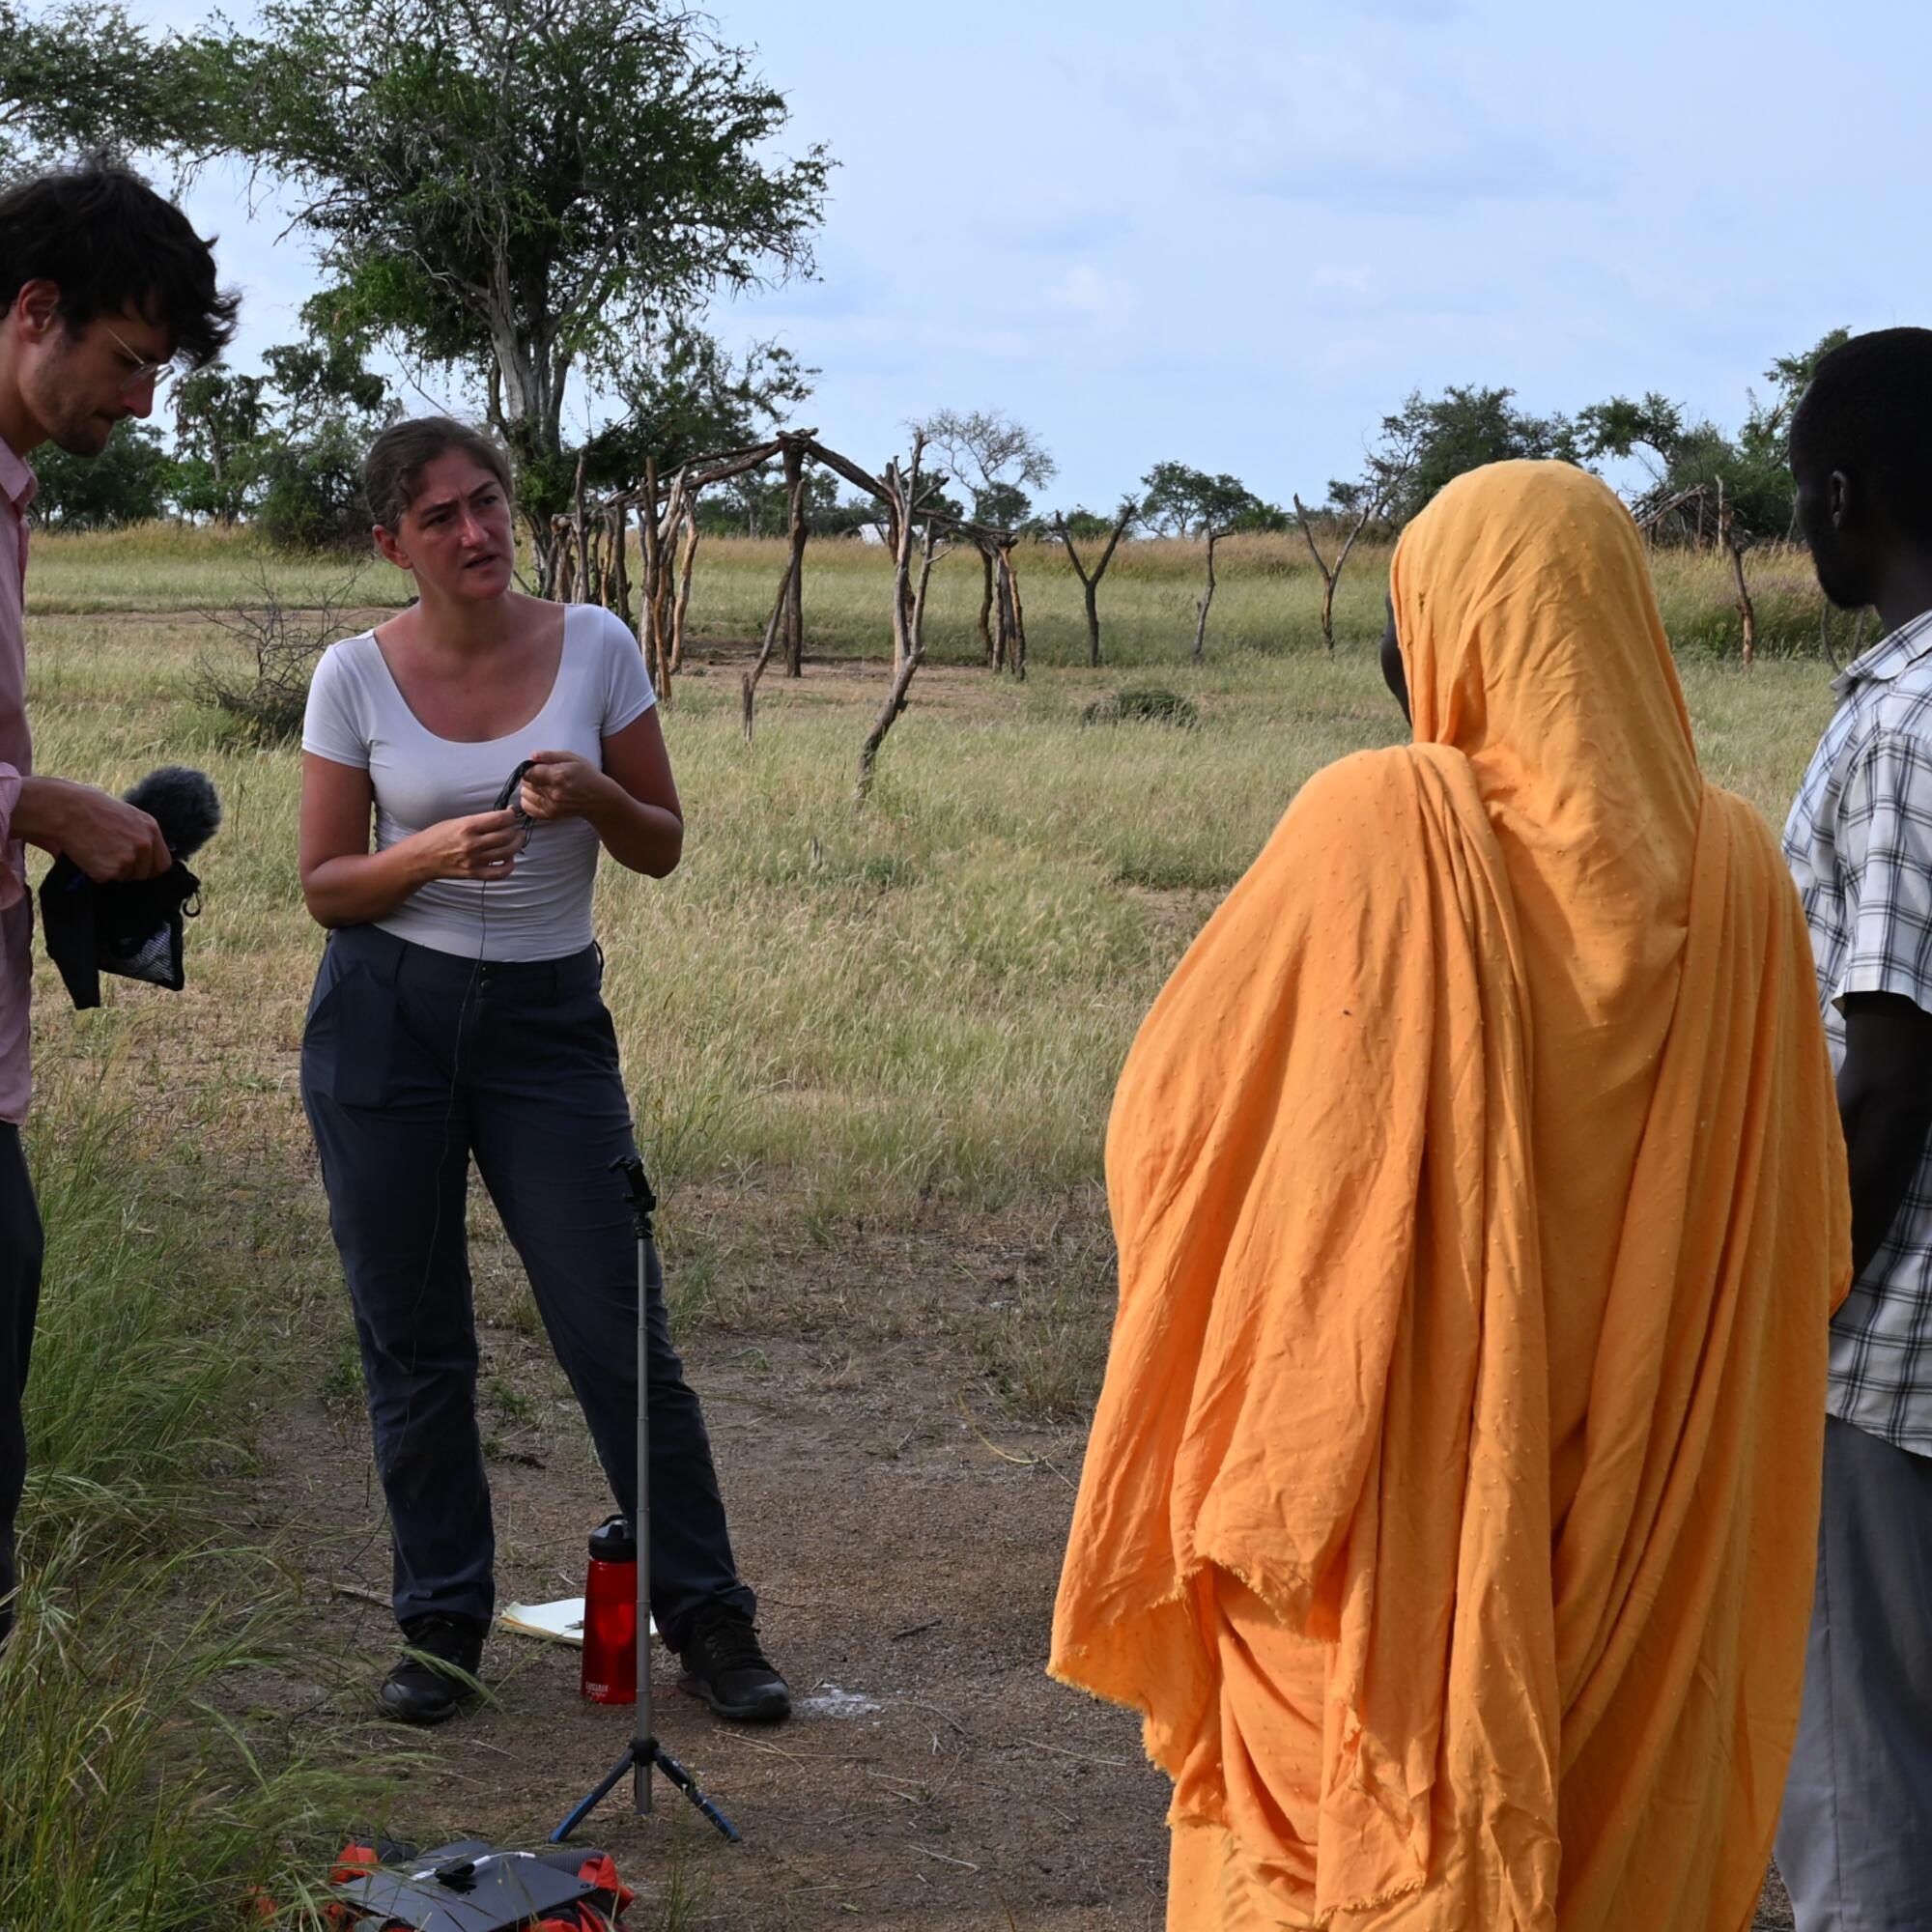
1084	291
1332	280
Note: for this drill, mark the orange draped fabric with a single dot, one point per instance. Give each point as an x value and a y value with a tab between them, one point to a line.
1451	1501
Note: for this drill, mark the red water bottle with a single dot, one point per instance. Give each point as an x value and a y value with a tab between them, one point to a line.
610	1615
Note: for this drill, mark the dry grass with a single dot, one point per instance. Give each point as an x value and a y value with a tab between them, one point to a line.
1267	602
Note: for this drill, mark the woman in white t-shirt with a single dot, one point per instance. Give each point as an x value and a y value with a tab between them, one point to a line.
457	1014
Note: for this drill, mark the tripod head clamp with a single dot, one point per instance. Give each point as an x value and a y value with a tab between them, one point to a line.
638	1190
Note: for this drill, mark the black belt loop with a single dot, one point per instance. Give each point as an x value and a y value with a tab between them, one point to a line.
399	952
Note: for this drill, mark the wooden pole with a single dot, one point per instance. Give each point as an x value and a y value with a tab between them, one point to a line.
773	624
687	555
1727	536
908	617
657	659
1201	628
794	625
620	564
1014	617
668	528
580	533
1090	580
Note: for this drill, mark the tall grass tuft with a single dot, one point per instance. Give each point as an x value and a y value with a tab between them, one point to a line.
131	1794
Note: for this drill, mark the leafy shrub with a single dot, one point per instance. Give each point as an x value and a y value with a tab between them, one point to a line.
314	501
131	481
1144	704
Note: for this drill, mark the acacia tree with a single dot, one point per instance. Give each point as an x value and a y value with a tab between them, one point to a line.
85	79
1431	440
684	395
1083	526
999	459
1179	501
1352	506
1689	460
219	419
521	189
328	406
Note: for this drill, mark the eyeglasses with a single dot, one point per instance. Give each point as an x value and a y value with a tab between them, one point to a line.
143	371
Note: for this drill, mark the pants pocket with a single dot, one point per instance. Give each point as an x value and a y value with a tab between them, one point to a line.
350	1037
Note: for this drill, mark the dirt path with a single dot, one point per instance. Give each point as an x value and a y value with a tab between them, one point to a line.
932	1776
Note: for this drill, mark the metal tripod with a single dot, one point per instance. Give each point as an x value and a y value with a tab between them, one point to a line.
643	1753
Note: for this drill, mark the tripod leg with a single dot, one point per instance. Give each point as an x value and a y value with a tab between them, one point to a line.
687	1784
641	1794
583	1809
645	1751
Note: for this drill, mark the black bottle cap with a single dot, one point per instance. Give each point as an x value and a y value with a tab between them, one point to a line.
611	1541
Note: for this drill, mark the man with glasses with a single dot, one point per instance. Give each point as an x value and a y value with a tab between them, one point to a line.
103	285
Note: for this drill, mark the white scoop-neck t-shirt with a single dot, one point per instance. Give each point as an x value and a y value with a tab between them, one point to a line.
356	716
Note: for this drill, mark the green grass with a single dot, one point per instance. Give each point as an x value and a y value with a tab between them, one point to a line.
829	1014
176	567
137	1790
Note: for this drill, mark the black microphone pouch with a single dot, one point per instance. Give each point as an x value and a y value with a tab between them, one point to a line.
132	927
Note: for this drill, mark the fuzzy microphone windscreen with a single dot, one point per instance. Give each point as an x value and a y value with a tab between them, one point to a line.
181	801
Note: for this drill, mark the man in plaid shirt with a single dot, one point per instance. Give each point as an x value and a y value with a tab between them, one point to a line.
1855	1844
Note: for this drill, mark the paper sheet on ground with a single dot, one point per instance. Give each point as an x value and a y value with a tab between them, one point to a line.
560	1622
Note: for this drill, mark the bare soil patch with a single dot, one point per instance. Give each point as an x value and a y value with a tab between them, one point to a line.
903	1530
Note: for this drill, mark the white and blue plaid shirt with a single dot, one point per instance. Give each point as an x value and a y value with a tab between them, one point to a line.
1860	844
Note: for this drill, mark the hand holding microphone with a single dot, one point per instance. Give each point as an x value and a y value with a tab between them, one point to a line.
115	898
106	837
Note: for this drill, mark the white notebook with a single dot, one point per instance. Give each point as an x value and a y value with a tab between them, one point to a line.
560	1622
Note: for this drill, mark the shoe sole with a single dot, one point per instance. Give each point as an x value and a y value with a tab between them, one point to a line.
768	1711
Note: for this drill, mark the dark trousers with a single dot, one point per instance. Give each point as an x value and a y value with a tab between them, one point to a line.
20	1251
1855	1841
414	1061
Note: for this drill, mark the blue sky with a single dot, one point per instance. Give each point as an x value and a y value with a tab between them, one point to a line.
1236	238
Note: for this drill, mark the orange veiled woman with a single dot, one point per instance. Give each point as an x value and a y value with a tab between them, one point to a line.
1451	1501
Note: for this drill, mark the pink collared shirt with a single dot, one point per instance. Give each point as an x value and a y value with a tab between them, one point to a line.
16	761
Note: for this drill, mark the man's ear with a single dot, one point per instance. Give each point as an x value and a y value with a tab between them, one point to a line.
37	309
1839	499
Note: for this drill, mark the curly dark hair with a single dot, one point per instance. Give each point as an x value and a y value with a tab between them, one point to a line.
110	243
1868	411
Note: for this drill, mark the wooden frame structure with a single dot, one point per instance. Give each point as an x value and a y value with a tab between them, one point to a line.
1725	537
589	557
590	563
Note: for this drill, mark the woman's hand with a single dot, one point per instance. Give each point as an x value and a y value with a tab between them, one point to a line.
482	846
562	785
346	884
